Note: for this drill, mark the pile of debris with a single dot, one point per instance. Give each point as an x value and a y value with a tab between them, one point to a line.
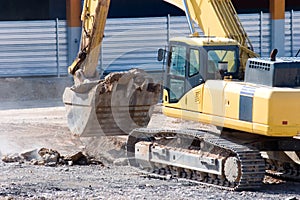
50	157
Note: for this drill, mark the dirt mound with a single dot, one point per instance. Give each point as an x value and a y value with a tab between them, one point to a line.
24	89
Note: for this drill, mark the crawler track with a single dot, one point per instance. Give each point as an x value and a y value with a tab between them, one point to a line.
248	167
283	170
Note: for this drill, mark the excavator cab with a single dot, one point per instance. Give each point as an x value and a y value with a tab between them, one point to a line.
193	60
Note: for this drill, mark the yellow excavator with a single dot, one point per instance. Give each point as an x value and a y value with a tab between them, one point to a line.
214	79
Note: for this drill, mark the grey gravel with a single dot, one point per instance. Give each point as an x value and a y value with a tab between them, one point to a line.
21	181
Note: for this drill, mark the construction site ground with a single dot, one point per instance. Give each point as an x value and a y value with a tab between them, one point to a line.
32	116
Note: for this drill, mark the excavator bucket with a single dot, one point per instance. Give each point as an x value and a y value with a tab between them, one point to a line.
116	105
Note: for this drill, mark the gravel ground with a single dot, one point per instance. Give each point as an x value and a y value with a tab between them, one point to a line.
115	182
33	124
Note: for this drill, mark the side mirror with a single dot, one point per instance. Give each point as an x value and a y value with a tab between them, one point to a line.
161	54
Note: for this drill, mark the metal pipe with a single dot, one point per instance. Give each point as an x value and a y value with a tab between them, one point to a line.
57	48
292	32
168	28
261	33
188	17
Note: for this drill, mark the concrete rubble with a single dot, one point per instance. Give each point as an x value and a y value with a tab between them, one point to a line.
52	158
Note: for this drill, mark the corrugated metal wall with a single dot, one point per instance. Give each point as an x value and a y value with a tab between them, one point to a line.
292	33
132	43
31	48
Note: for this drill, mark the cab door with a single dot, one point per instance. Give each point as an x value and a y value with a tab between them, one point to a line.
176	74
184	74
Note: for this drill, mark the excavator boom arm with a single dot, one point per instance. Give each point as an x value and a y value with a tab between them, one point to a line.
93	17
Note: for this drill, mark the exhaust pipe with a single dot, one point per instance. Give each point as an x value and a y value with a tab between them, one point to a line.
273	54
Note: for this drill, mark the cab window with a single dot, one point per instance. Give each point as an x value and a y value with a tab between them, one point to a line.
219	56
177	73
194	62
221	62
178	61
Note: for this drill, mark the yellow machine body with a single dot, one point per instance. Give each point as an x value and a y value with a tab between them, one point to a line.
271	112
